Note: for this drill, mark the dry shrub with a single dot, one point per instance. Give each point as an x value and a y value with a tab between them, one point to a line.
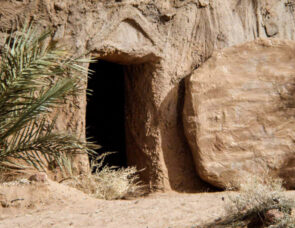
256	197
14	174
108	182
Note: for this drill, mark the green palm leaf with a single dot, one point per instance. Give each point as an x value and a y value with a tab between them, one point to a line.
34	78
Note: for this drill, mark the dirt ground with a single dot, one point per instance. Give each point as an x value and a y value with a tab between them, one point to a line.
56	205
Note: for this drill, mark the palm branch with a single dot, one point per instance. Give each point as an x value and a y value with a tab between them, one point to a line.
34	78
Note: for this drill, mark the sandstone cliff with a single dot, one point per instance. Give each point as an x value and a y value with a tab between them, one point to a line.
161	42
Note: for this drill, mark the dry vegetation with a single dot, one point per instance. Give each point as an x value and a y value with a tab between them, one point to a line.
261	202
108	182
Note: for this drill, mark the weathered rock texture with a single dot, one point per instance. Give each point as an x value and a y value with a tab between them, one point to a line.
239	112
160	42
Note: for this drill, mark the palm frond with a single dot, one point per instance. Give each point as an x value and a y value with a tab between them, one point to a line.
35	78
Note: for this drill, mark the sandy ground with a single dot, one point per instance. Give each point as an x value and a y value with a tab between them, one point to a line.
57	205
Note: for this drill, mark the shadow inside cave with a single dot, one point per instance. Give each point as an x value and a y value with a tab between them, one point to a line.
105	112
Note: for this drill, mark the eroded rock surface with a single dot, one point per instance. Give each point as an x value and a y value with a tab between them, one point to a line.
160	42
239	112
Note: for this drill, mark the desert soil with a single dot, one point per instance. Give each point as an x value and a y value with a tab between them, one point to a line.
56	205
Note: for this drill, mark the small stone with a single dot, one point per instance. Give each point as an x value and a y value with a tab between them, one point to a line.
271	28
59	33
167	16
273	216
59	6
204	3
4	204
23	181
38	177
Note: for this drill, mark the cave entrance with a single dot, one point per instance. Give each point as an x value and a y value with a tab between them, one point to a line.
105	112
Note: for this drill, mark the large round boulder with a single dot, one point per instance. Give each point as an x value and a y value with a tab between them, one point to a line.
239	113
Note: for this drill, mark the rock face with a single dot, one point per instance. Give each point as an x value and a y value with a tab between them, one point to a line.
159	42
239	112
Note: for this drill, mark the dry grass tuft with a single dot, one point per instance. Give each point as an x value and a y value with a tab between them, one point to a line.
256	198
108	182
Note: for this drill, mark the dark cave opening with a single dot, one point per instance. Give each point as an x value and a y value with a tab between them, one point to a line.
105	112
